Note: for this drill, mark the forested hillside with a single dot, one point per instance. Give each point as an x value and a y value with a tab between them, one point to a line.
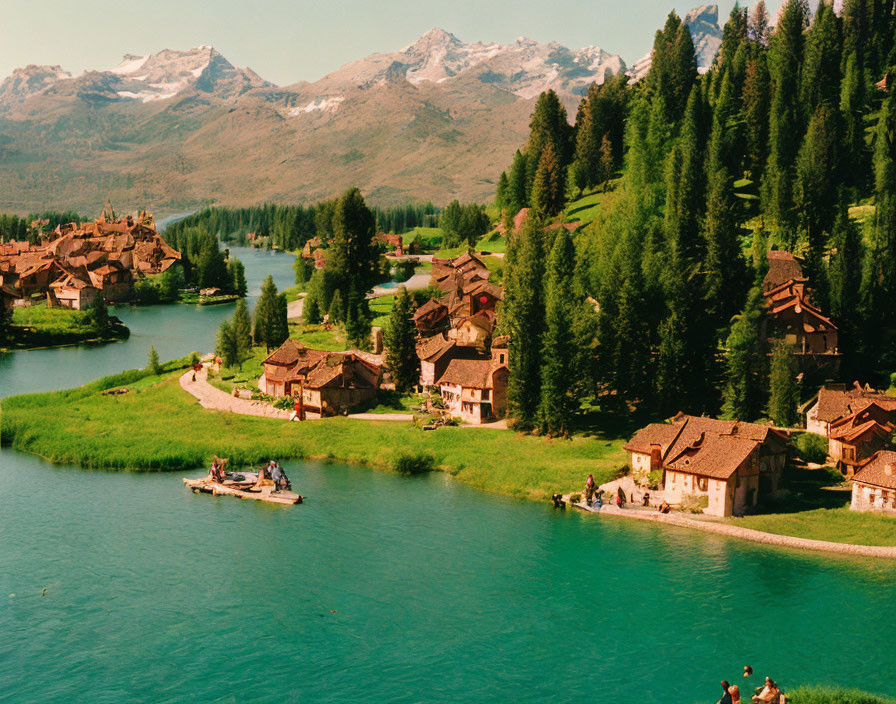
786	143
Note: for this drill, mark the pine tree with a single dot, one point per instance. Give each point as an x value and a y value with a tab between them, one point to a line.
784	389
154	365
524	313
558	382
237	273
821	68
548	126
354	259
242	331
785	65
673	69
549	188
267	330
816	194
357	319
855	163
502	194
758	28
744	362
756	98
311	310
845	281
227	347
280	323
400	341
605	162
632	367
517	192
723	265
588	143
336	311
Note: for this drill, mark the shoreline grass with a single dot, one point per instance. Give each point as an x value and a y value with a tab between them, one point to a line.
39	326
159	427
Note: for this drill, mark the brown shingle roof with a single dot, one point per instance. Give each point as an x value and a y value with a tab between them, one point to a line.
782	267
661	434
470	373
433	348
428	307
288	353
880	470
836	401
715	456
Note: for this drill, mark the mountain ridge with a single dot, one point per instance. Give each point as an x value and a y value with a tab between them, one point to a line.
435	120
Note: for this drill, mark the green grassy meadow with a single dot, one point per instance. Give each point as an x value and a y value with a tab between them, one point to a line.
157	426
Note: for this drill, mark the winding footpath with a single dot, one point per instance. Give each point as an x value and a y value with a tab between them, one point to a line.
755	536
216	400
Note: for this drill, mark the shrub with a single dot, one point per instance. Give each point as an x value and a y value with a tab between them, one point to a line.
812	447
414	463
284	403
655	478
694	503
833	695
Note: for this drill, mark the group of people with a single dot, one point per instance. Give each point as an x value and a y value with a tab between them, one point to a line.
594	497
271	475
769	693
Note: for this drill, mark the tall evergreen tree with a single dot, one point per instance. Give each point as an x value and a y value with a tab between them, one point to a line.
785	66
242	330
845	281
517	197
549	187
400	340
784	389
354	259
548	126
821	67
227	347
336	311
268	328
816	192
558	381
524	313
855	163
237	272
588	142
756	98
744	362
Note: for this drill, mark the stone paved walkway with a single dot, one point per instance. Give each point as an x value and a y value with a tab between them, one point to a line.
733	531
216	400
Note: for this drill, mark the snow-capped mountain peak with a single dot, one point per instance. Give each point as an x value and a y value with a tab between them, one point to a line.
28	81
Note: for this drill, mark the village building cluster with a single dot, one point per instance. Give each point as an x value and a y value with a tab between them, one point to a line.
458	350
75	262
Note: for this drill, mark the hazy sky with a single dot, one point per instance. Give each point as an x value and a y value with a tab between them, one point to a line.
290	40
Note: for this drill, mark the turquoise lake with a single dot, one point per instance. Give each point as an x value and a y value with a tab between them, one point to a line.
382	588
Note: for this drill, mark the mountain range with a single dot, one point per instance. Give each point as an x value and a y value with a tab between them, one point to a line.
173	130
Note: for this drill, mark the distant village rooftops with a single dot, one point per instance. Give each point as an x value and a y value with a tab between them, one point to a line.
838	400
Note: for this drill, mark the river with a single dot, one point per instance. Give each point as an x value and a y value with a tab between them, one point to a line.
385	588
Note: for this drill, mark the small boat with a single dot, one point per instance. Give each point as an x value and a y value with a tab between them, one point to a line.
242	490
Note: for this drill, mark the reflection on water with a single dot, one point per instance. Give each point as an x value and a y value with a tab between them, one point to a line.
175	330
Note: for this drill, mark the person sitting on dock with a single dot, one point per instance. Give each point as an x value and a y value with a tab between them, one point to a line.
645	500
589	488
664	507
598	500
216	473
281	481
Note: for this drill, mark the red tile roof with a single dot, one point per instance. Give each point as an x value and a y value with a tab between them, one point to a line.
879	470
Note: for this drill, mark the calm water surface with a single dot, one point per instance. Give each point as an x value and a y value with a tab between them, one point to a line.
387	589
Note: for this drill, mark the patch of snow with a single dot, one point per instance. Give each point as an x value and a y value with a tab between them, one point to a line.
330	104
129	65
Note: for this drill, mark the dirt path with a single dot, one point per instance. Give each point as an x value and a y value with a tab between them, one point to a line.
294	308
216	400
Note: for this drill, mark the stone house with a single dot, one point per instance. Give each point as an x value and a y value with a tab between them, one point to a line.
435	353
475	390
73	292
835	401
286	365
726	465
855	437
874	485
336	383
431	318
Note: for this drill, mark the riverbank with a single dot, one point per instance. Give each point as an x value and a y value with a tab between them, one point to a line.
37	327
886	550
157	426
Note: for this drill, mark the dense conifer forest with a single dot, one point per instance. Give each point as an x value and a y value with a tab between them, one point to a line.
788	142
